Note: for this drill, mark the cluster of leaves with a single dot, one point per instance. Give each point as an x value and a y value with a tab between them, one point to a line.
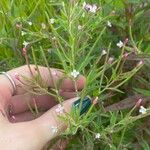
75	39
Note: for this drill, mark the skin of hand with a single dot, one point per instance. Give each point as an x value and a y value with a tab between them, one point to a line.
19	129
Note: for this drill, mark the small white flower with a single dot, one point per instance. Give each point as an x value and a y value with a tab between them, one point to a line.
23	33
80	27
120	44
104	52
54	73
93	9
54	129
52	21
109	24
97	136
75	73
59	109
43	26
30	23
142	110
54	38
25	44
88	7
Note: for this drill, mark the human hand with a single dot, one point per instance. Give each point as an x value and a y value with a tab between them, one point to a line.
26	132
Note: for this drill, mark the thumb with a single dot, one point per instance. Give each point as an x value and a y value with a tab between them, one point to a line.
50	125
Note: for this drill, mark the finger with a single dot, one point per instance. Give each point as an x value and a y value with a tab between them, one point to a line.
68	95
49	122
23	117
21	103
66	85
3	117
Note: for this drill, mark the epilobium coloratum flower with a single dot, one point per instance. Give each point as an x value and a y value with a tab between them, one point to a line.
25	44
52	21
120	44
97	136
59	109
104	52
23	33
74	73
80	27
142	110
91	8
30	23
109	24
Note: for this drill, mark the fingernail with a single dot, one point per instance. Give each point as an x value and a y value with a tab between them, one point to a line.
85	105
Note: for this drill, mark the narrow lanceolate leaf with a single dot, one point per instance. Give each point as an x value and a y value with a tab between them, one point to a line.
143	92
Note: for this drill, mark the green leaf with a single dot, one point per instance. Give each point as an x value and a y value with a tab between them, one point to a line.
134	1
144	92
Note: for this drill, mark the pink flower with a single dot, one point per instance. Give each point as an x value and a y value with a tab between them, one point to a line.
54	73
110	60
60	109
141	62
24	51
91	8
95	101
125	55
139	102
126	41
13	117
18	26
